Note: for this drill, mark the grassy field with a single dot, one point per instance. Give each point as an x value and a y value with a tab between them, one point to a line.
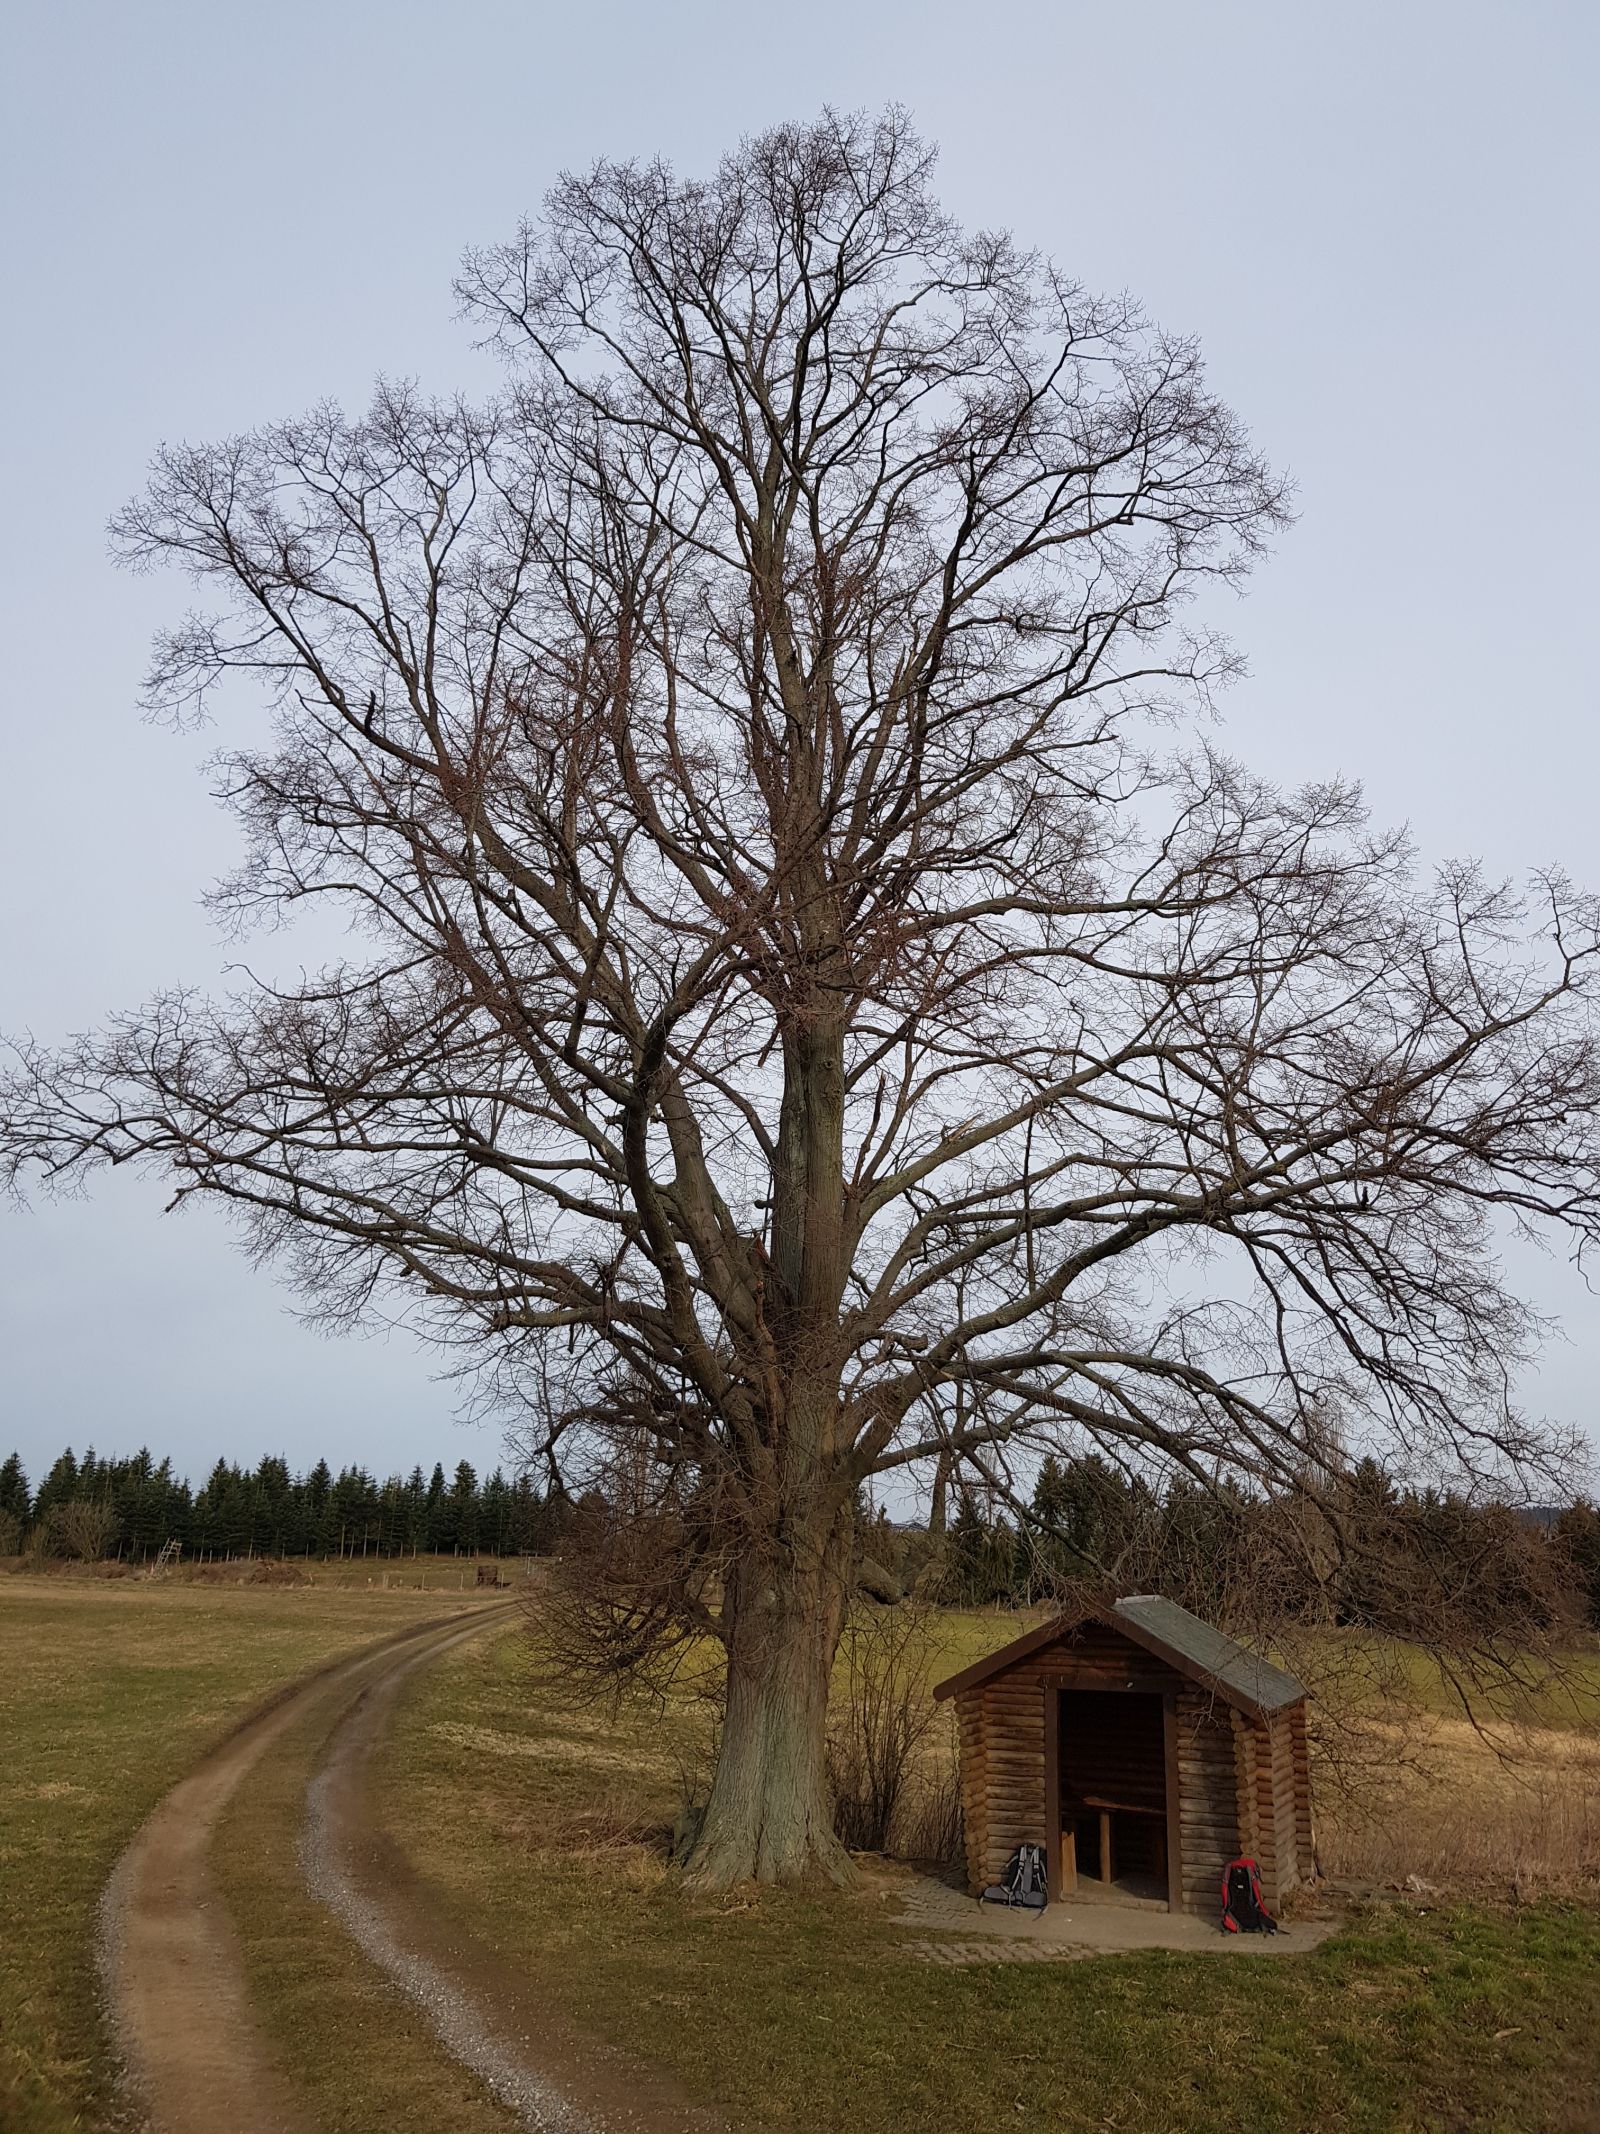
109	1691
546	1824
359	1574
1502	1799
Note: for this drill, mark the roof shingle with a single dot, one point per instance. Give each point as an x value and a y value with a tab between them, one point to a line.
1195	1648
1207	1651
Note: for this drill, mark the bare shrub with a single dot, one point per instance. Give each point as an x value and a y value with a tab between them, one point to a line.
275	1571
606	1819
929	1824
10	1534
883	1715
697	1765
81	1530
631	1603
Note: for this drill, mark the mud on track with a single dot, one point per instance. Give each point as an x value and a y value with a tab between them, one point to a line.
171	1962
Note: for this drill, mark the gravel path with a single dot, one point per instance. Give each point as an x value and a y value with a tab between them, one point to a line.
194	2058
170	1960
553	2077
329	1846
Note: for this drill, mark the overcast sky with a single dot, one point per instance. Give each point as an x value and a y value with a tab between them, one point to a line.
1378	219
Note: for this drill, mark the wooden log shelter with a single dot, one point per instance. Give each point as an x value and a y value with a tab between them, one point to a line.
1143	1749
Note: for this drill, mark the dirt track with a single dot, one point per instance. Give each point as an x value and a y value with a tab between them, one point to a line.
195	2057
552	2077
173	1972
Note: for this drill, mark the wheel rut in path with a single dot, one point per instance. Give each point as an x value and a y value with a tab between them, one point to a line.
170	1959
533	2060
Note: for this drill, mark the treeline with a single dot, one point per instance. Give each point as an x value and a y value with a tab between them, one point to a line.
1368	1554
93	1507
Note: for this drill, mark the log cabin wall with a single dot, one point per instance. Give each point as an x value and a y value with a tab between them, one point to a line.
1013	1806
1093	1657
1254	1739
1210	1794
1273	1789
974	1788
1281	1773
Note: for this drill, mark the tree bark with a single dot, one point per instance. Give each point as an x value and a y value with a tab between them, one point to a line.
770	1814
939	1510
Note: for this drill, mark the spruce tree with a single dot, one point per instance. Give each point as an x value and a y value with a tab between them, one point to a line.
59	1486
494	1518
414	1537
1577	1535
434	1512
459	1530
14	1496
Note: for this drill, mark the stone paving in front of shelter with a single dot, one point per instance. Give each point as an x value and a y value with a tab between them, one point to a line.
970	1932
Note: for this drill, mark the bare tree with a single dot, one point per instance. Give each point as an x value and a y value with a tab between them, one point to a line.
80	1529
814	1018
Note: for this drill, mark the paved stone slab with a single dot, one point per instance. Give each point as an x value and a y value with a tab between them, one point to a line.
1075	1929
955	1955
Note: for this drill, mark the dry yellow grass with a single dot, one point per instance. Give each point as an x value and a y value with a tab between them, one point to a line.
1506	1812
109	1690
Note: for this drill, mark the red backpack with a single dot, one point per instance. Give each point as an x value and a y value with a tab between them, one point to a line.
1244	1909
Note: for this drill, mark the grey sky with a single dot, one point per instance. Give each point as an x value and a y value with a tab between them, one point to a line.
1378	218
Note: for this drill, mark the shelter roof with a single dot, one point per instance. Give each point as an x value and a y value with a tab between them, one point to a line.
1186	1643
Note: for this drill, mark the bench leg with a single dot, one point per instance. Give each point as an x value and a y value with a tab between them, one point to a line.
1105	1845
1069	1861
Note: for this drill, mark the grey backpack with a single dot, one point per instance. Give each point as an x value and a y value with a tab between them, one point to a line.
1023	1881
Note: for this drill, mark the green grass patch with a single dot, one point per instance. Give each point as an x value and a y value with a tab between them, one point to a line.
1564	1694
542	1823
109	1691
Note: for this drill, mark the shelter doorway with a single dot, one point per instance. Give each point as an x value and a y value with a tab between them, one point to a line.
1111	1793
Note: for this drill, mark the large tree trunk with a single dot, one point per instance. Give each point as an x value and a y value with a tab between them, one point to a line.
770	1815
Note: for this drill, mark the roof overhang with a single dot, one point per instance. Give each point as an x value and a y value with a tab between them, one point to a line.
1126	1624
